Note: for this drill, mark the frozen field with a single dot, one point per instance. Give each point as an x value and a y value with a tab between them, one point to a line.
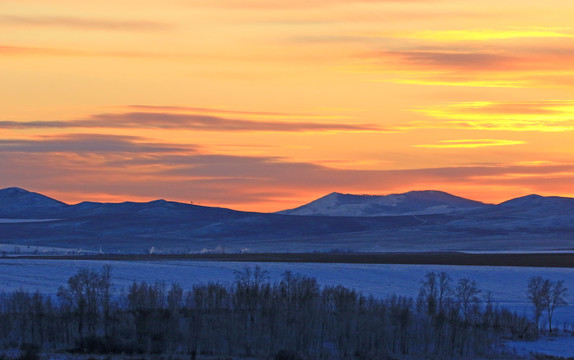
507	284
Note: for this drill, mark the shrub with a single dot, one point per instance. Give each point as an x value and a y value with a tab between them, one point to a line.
29	352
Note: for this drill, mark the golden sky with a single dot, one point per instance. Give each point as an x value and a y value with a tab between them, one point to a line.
264	105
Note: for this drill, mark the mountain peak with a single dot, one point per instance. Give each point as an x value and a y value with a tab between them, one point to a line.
334	194
533	196
410	203
13	190
17	201
429	192
524	199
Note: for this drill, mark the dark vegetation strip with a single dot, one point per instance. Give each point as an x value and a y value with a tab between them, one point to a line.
254	318
439	258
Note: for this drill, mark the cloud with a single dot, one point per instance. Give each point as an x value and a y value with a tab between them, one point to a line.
293	4
163	120
484	35
526	176
514	58
82	23
435	81
22	50
470	143
9	50
453	59
448	66
215	123
545	116
200	110
88	143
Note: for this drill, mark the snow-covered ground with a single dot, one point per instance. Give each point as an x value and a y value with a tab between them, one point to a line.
507	284
555	346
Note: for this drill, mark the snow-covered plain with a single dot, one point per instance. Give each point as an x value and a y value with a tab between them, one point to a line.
507	284
555	346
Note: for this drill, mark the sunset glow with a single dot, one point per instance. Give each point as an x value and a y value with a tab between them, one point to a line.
266	105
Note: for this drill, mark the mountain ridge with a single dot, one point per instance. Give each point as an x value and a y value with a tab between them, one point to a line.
450	223
18	201
409	203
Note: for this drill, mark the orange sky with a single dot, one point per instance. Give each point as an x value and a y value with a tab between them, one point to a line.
264	105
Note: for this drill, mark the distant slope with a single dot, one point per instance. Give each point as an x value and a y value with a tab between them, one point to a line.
17	202
539	206
530	207
410	203
529	215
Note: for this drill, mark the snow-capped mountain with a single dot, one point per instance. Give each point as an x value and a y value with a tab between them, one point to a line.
410	203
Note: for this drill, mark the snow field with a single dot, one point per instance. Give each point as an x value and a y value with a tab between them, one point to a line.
507	284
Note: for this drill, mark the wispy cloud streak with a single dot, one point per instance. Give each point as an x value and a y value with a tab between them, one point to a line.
544	116
145	120
470	143
82	23
89	143
188	109
293	4
22	51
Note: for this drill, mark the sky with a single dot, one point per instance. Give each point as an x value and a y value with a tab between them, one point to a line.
264	105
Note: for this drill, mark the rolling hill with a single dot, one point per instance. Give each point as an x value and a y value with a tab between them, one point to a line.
414	221
410	203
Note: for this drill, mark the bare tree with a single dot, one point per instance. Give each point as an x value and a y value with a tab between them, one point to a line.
83	294
105	290
466	294
247	277
250	286
428	293
554	299
444	290
537	293
435	292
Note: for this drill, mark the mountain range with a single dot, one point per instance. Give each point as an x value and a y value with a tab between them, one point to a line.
413	221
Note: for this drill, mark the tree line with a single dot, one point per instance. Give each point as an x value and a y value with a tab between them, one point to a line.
254	317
